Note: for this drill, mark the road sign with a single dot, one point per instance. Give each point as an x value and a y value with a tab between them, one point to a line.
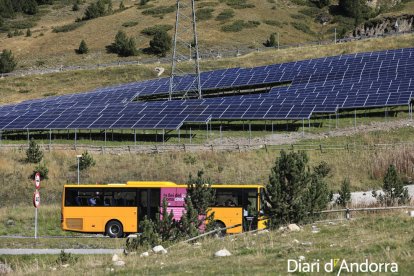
37	180
36	199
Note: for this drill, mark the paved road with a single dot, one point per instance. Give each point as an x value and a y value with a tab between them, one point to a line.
55	251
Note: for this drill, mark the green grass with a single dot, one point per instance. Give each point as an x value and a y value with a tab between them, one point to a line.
379	237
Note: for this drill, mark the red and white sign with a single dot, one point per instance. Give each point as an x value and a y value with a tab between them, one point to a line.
37	180
36	199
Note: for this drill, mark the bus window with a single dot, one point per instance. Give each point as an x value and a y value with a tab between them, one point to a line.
228	198
125	198
250	202
83	197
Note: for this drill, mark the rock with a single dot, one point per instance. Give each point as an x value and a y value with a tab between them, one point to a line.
65	265
315	229
222	253
5	269
159	71
302	258
281	228
265	231
197	244
145	254
109	269
115	258
306	243
296	241
10	222
411	213
293	227
159	249
119	263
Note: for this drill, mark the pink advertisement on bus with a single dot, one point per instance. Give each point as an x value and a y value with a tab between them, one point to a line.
175	199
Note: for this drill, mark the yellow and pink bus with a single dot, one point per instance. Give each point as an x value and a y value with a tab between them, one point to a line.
116	209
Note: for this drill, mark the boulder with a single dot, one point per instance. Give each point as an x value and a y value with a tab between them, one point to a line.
222	253
145	254
293	227
159	249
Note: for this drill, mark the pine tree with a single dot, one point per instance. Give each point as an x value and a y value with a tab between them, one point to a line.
75	7
165	224
7	61
83	48
271	42
293	192
34	154
161	43
86	161
123	45
344	193
394	191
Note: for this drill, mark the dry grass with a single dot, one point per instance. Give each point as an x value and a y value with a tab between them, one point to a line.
369	237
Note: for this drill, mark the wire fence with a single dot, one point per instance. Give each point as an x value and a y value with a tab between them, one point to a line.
159	148
211	54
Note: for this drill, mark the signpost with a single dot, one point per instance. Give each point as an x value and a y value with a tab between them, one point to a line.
36	199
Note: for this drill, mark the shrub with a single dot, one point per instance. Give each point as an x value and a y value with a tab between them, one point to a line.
129	24
225	15
121	6
86	161
68	27
302	27
344	193
83	48
7	61
28	33
75	7
204	14
34	154
155	29
42	170
160	44
238	4
159	11
239	25
123	45
273	23
66	258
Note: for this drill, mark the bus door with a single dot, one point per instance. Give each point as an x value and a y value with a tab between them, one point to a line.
148	204
250	204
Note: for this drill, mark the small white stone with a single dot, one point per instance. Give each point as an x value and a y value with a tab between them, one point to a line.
115	258
145	254
306	243
412	214
65	265
296	241
222	253
197	244
119	263
159	249
302	258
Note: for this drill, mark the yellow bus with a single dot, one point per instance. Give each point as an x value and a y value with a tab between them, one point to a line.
116	209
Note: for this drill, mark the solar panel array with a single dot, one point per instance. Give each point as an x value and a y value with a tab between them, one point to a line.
324	85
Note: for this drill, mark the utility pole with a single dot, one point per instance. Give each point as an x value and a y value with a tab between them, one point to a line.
185	79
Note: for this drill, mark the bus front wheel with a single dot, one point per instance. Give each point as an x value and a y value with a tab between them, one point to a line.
114	229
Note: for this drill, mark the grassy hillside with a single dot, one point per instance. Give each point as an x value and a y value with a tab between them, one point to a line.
292	20
15	89
369	237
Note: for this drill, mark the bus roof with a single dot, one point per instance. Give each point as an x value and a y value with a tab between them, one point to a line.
158	184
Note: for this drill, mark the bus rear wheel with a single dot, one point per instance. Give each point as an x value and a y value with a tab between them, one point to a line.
219	225
114	229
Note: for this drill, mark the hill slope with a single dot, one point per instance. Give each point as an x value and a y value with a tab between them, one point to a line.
291	19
